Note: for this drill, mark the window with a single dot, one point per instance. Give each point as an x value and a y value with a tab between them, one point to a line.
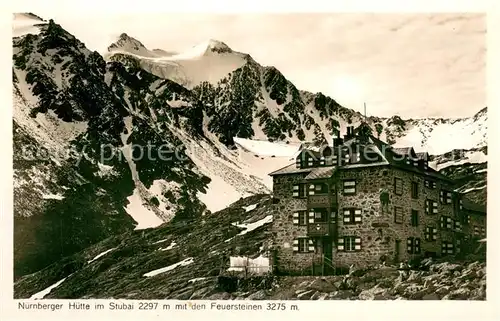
445	197
446	222
413	245
414	190
476	230
461	202
447	248
398	214
303	245
319	215
349	243
429	184
414	218
349	187
300	218
318	188
299	190
430	233
431	207
352	215
398	186
483	231
458	226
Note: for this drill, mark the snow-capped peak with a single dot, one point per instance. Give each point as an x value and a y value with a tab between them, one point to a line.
26	23
125	43
217	46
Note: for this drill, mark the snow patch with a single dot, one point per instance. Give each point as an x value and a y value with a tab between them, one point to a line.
170	267
171	246
144	217
196	280
249	227
266	148
52	197
473	189
100	255
250	207
45	292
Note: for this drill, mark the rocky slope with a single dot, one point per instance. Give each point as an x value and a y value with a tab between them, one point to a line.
190	261
70	108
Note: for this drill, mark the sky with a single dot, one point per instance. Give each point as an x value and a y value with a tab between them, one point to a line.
414	65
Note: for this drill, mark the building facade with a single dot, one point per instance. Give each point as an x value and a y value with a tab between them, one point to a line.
362	202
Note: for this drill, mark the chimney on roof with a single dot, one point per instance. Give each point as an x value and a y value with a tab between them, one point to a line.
350	132
337	141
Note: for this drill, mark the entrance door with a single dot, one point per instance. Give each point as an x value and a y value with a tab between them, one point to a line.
327	256
397	252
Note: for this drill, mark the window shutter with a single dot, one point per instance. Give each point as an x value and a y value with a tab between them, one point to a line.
295	218
296	245
311	189
347	216
450	248
340	244
357	215
417	246
409	245
357	243
311	246
434	207
311	216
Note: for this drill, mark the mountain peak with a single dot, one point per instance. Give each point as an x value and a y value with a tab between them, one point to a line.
217	46
126	43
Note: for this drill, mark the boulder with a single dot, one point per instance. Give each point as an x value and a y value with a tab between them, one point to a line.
430	296
375	293
319	296
322	285
415	277
201	293
259	295
220	296
443	290
341	295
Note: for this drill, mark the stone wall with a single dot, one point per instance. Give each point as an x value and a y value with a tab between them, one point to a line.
378	230
284	231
